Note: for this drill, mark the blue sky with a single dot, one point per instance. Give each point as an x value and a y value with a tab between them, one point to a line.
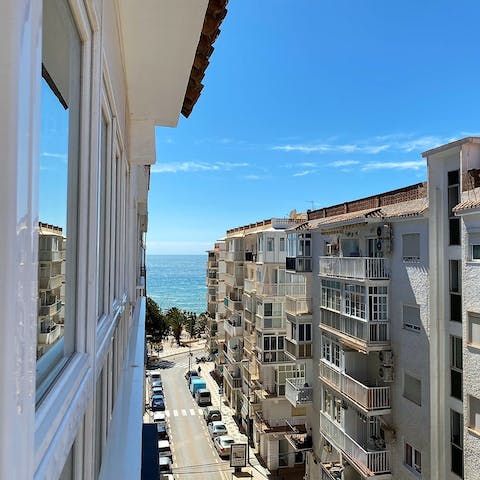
308	103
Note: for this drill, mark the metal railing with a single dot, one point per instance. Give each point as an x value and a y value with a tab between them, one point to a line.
298	392
233	381
298	306
371	398
368	332
360	268
375	461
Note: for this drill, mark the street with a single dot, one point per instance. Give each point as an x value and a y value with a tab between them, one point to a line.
194	456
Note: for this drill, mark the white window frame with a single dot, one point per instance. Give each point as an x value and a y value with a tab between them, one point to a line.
474	414
473	338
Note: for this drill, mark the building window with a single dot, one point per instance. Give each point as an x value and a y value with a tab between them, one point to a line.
413	458
456	442
282	244
455	291
456	366
412	389
270	244
411	247
453	199
305	332
474	329
474	413
58	190
411	318
355	300
378	303
475	251
331	295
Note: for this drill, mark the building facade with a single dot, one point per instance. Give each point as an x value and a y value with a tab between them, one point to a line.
377	334
77	80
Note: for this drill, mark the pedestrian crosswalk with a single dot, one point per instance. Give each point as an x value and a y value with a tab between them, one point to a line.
184	412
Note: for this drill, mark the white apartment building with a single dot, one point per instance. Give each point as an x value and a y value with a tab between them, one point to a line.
378	324
93	78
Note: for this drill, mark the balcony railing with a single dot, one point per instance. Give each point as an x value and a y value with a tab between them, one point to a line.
371	398
273	357
249	285
368	333
298	392
298	350
298	306
300	264
233	326
376	462
360	268
233	354
234	381
280	424
52	309
233	305
269	323
234	256
51	282
51	256
50	336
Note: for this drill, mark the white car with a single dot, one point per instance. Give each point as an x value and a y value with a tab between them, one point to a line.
159	417
222	445
217	428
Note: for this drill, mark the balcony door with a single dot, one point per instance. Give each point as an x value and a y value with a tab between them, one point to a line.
374	247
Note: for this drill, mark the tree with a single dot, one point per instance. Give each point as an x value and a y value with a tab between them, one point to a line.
176	319
155	324
191	320
201	324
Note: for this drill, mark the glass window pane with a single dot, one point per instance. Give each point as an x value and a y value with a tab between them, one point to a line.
59	147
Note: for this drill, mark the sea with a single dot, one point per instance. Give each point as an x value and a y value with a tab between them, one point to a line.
178	281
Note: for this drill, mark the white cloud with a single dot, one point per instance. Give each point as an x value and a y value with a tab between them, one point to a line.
253	177
332	148
343	163
301	174
407	165
61	156
186	167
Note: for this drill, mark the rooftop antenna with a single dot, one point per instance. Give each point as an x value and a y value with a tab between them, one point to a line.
313	202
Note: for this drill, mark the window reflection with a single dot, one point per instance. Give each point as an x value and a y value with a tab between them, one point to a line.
58	191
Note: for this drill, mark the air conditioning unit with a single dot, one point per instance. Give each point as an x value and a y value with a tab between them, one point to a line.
386	358
385	374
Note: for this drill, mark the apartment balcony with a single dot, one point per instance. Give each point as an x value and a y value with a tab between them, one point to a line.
232	354
371	462
237	256
51	256
332	470
301	442
50	335
212	264
279	425
298	306
250	257
298	392
249	286
51	282
269	323
374	399
234	279
271	290
233	326
232	304
358	334
50	307
270	358
358	268
235	382
298	350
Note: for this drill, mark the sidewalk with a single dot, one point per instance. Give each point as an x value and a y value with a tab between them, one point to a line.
256	470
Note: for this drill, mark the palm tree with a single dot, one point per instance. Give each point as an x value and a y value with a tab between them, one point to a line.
176	319
155	324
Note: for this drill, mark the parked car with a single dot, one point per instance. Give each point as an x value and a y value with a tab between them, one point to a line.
154	375
157	391
222	445
157	383
159	417
217	428
165	464
211	414
191	373
164	449
158	403
203	397
162	431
